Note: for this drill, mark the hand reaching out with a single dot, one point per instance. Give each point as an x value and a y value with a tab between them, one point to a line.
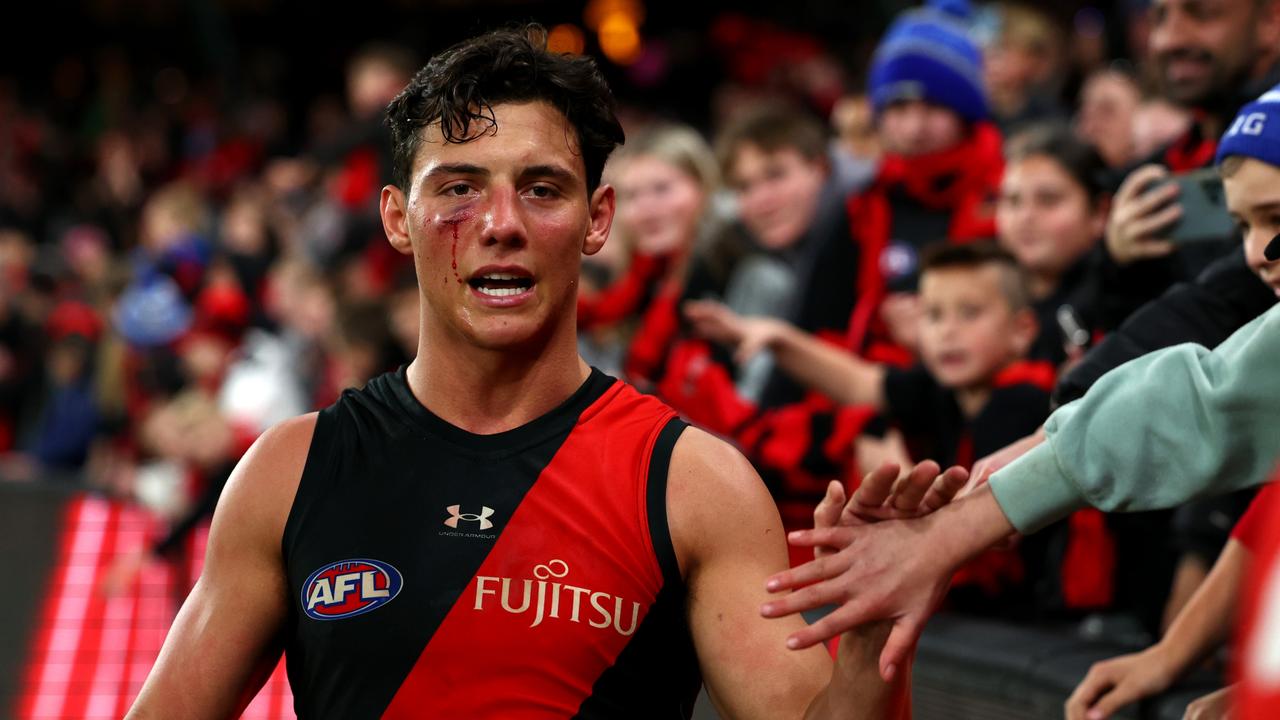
882	496
746	336
1112	684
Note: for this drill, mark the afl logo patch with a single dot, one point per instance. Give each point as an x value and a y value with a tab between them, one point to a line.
350	587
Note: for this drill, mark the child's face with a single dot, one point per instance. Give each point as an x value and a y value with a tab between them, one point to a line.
1044	217
915	127
968	332
1253	197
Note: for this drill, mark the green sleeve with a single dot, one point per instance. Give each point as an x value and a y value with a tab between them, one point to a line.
1158	431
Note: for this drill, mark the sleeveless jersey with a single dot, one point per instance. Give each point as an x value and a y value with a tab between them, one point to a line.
434	572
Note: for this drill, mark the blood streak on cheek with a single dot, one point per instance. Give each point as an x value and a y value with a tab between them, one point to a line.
453	221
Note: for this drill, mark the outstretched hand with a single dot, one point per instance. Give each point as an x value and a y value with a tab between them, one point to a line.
887	494
882	496
746	336
895	569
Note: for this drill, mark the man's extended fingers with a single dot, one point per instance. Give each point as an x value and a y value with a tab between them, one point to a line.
827	514
876	486
846	617
804	599
817	569
912	490
898	648
945	488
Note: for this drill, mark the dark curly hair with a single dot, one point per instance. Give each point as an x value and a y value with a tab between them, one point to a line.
459	87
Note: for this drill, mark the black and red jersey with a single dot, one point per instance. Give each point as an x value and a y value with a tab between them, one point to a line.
434	572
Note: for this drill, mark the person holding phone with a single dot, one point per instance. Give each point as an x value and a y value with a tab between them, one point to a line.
1211	63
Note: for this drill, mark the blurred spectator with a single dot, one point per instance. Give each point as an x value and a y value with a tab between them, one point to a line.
938	177
775	160
666	178
1050	216
1157	123
1020	66
856	148
1109	105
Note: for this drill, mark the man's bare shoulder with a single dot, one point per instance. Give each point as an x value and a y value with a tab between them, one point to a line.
261	489
714	495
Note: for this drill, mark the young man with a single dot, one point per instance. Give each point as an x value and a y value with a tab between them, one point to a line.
497	530
1158	431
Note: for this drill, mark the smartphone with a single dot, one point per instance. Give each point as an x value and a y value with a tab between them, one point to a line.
1204	208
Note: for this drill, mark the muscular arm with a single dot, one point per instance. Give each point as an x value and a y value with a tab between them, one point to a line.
728	539
225	640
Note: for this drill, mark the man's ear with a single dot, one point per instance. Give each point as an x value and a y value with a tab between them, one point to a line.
395	218
603	204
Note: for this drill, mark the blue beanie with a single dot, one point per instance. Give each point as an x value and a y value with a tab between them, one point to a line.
1255	132
928	54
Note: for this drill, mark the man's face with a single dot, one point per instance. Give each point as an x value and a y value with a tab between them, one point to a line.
1253	197
1202	48
915	127
497	227
968	333
777	193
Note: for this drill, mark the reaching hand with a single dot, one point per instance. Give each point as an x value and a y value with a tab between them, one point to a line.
747	336
862	547
886	494
1140	213
1112	684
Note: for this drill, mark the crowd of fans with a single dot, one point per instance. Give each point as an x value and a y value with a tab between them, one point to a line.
973	237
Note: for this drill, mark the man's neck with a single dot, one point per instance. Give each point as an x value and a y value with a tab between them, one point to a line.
490	391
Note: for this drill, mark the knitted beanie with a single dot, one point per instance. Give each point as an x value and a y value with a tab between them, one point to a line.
928	54
1255	132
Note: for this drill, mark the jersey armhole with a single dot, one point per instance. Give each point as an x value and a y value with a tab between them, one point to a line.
656	501
318	461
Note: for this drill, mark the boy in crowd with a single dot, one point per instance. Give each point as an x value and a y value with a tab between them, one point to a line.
972	393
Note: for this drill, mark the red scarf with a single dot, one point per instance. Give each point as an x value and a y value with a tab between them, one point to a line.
964	179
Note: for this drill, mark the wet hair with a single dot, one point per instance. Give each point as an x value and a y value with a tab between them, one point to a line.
1076	157
976	255
772	127
459	87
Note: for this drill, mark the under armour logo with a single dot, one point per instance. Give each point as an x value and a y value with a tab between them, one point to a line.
456	514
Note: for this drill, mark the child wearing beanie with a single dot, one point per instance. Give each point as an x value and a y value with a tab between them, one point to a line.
1248	159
